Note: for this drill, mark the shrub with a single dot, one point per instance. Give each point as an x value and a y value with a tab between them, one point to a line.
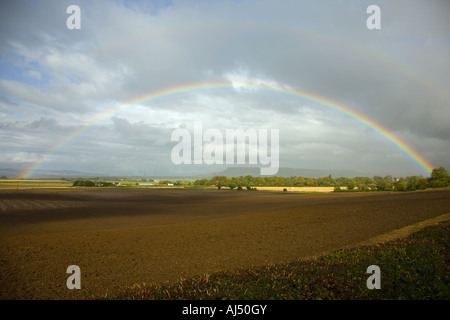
83	183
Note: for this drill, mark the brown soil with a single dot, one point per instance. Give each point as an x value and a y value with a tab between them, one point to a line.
119	237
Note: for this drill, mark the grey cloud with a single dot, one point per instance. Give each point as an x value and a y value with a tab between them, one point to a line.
396	76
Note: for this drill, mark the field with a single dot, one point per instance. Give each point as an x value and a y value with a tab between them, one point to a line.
31	184
120	237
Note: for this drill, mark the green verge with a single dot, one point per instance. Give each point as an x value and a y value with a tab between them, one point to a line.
412	268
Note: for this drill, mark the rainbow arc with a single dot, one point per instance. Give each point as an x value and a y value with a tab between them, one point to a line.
420	161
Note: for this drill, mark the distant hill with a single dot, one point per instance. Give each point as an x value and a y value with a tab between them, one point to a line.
51	174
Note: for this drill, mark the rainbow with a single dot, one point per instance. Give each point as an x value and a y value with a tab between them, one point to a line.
402	146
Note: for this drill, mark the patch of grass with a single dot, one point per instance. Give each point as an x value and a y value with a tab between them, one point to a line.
416	267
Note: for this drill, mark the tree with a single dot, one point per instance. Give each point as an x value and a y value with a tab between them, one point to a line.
324	181
439	178
248	181
401	185
351	184
201	182
422	184
231	184
218	181
363	180
383	185
300	182
363	187
342	181
439	174
389	179
279	181
412	182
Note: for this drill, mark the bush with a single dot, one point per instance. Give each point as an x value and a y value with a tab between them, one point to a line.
83	183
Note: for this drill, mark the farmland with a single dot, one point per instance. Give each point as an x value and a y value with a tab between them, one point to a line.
48	184
28	184
120	237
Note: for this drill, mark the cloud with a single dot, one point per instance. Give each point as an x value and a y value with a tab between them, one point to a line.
241	80
60	79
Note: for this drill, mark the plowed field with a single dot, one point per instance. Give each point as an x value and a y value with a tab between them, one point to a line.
119	237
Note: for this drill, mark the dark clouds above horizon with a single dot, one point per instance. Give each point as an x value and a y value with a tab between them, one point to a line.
54	81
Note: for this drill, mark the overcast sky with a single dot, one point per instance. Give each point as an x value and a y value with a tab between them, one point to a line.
55	81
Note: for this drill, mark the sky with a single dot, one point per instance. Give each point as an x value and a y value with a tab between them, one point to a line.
75	99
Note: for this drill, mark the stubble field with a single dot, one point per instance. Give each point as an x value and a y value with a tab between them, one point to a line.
121	237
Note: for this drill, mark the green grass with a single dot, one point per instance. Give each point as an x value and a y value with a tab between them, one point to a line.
416	267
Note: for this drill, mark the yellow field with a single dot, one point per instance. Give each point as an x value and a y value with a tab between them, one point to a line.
27	184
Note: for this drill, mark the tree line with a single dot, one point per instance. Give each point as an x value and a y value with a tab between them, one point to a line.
439	178
89	183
